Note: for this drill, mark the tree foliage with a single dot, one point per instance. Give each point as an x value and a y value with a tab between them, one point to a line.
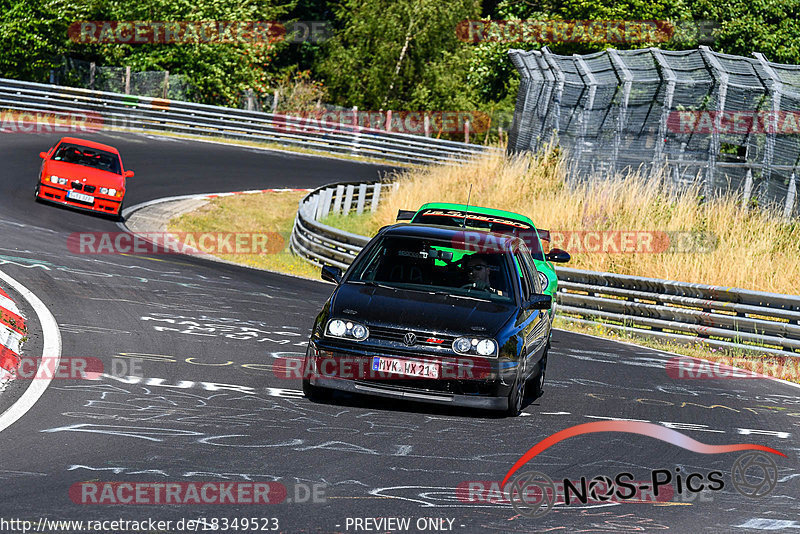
384	54
389	54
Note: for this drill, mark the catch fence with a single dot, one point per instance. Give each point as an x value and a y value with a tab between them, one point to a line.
729	122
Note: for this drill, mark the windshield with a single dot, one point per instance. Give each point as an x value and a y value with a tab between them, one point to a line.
433	265
88	157
483	222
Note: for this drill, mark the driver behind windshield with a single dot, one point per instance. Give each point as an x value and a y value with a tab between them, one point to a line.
478	269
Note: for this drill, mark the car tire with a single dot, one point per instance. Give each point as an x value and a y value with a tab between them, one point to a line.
537	381
314	393
516	397
36	192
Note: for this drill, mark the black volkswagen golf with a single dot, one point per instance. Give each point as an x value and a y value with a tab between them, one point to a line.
433	314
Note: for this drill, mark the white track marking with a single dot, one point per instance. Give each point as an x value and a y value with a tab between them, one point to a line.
51	354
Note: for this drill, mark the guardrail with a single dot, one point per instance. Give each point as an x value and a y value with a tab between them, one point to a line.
722	317
136	113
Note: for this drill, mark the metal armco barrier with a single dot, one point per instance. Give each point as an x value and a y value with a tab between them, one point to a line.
136	113
723	317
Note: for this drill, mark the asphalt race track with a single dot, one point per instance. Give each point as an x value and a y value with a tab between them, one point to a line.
206	405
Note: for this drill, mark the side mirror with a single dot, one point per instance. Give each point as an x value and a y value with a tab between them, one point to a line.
539	301
43	155
557	255
331	274
128	174
405	215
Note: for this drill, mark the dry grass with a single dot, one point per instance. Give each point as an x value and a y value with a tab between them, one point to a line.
756	249
263	212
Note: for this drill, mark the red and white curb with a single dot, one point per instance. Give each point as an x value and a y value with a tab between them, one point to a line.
12	331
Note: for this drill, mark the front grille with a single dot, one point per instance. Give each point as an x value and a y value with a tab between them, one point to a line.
77	186
397	335
89	188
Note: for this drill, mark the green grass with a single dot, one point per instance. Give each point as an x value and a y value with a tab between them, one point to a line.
263	212
364	224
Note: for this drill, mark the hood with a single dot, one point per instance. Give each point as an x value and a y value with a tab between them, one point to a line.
418	310
72	171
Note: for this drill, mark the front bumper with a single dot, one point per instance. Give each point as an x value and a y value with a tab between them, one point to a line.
485	384
395	392
58	195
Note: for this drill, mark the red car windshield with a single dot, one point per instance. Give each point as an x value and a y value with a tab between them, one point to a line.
88	157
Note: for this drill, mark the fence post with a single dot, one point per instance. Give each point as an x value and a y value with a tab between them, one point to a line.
92	70
127	80
376	197
587	107
560	80
388	127
357	131
466	131
427	125
659	155
748	188
337	205
626	77
362	198
348	199
166	84
791	196
327	196
316	209
275	98
776	90
721	77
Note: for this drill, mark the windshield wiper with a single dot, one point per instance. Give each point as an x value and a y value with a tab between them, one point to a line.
464	297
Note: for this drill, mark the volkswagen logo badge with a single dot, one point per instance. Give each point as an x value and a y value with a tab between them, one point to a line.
410	339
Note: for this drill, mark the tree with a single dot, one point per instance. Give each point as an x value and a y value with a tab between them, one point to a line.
390	54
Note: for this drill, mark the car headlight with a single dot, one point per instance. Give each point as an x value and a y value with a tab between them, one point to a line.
543	280
347	330
54	179
486	347
57	180
482	347
103	190
112	192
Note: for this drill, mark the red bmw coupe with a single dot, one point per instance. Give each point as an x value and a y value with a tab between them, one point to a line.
83	174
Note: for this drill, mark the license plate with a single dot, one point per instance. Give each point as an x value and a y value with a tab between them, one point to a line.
74	195
405	367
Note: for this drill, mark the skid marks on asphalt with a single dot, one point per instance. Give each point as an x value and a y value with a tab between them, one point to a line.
228	328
